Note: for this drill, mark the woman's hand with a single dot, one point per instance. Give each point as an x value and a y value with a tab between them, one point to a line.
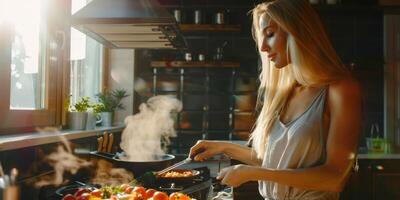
235	175
204	149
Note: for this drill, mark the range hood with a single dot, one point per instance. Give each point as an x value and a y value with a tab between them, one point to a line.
129	24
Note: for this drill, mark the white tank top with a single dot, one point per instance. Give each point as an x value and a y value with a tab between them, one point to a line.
297	144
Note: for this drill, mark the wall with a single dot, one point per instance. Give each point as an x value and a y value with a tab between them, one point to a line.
357	35
121	77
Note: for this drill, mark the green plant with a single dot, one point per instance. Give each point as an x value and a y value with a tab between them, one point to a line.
80	106
111	101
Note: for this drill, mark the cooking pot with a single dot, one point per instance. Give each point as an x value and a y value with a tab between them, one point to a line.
138	168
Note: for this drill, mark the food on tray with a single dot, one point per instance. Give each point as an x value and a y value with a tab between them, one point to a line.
124	192
177	174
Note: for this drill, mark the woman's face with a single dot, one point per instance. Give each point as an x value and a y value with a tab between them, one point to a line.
273	42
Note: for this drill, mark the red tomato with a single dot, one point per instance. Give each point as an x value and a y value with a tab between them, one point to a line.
160	196
150	192
96	193
80	191
140	190
178	196
69	197
84	196
128	190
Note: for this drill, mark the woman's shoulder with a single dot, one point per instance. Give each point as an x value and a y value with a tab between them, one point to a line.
346	89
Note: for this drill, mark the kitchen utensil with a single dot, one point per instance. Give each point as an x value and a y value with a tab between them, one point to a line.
110	143
187	160
99	144
105	141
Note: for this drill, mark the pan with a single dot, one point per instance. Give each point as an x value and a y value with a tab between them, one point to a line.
138	168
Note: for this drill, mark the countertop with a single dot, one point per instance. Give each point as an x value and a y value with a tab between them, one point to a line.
17	141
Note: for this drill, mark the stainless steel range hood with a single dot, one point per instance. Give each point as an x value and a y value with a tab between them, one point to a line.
129	24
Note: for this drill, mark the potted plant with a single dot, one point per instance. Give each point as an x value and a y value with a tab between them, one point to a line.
109	102
93	116
77	114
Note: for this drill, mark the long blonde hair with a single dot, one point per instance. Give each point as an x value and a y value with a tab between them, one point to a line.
313	61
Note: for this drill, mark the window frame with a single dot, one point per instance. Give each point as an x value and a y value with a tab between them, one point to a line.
17	121
57	75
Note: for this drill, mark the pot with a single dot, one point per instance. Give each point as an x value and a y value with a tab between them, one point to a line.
138	168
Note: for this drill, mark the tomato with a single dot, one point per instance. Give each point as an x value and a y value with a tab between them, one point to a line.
80	191
178	196
140	190
150	192
84	196
136	196
128	190
69	197
124	186
97	193
160	196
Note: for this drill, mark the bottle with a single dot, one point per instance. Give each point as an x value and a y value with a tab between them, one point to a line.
197	17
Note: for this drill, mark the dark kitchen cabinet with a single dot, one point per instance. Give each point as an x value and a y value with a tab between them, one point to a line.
375	179
218	93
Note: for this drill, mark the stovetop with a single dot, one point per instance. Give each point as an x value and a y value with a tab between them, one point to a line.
197	188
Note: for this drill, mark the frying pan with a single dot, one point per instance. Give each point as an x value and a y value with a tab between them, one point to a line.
138	168
195	174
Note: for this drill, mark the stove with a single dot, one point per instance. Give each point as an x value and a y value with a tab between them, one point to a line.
198	188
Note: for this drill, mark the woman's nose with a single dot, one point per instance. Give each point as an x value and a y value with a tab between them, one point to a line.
264	46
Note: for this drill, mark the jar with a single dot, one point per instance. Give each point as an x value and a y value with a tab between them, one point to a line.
188	56
197	17
202	57
178	15
219	18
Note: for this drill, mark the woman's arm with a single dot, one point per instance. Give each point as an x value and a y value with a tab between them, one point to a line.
344	101
205	149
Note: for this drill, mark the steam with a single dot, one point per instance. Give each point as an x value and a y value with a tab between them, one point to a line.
107	175
62	161
141	139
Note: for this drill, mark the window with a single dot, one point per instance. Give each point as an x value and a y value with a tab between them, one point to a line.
38	70
86	62
29	66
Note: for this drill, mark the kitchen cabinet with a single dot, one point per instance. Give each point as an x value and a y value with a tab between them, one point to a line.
375	179
219	90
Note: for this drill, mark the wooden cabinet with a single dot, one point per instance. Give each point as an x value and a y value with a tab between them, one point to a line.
375	179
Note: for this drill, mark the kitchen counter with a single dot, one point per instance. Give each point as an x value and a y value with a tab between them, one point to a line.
17	141
378	156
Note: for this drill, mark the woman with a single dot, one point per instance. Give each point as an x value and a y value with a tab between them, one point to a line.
305	139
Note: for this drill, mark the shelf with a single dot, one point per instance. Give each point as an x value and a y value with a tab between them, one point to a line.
209	27
194	64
